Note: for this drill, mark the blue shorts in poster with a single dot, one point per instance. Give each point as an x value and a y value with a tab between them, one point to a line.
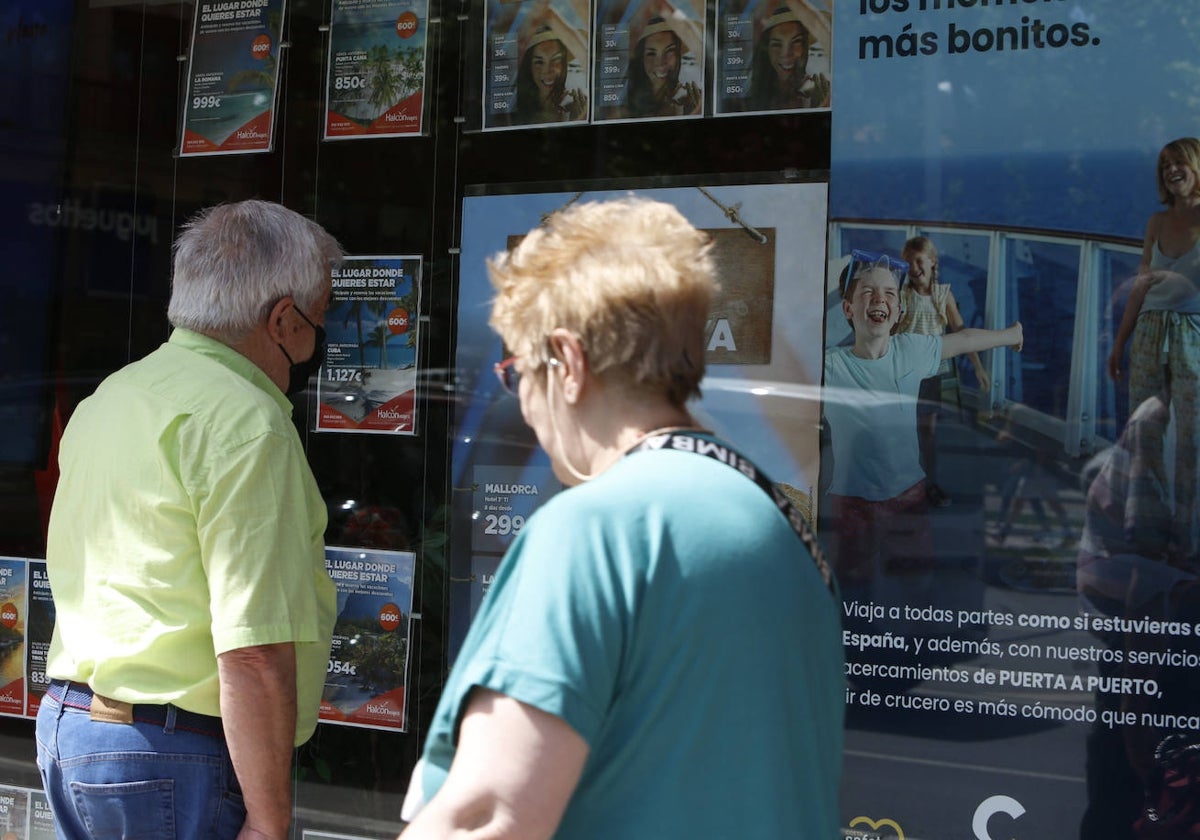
368	661
233	75
649	59
368	381
772	55
535	63
376	75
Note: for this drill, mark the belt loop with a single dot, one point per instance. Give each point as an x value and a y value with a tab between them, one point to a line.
61	699
169	724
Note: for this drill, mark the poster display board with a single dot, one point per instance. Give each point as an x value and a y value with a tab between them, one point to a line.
769	246
1034	674
772	55
25	814
232	78
368	380
649	59
26	622
39	626
13	609
535	63
367	679
375	80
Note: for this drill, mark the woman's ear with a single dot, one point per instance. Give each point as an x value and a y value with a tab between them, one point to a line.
567	348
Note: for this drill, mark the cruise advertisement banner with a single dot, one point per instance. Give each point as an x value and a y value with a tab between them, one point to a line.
232	78
1021	626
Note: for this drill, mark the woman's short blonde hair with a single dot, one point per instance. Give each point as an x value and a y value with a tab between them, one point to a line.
631	278
1187	151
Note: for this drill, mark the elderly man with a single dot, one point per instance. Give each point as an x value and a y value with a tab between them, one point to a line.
186	556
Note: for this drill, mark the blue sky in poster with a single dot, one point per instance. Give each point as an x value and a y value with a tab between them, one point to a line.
1051	137
358	321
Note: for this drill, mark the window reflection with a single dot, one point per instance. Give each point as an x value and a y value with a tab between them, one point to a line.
1040	292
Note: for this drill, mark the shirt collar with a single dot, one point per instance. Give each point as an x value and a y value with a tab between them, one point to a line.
226	356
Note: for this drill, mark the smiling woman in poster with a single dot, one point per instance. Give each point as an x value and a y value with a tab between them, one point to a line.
653	88
779	78
659	656
542	95
1163	317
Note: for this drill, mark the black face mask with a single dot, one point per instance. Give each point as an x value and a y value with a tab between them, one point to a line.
299	372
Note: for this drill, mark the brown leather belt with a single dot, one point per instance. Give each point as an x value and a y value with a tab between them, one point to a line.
75	695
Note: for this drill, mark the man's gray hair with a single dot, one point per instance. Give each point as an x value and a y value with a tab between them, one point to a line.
233	262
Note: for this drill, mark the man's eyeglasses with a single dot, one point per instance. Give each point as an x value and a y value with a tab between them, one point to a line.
863	261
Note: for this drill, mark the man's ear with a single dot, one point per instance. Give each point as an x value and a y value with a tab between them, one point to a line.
277	320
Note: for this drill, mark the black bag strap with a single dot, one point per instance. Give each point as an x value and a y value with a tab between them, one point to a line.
682	441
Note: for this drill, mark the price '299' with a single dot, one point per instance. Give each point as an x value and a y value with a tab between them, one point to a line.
503	525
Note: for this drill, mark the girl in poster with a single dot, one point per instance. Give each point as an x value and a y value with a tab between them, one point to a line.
1163	315
930	309
542	82
772	56
649	59
535	72
653	87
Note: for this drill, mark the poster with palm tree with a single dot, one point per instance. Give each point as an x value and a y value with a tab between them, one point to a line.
375	81
367	679
369	378
233	74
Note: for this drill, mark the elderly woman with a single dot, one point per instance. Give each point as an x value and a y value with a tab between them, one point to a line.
659	655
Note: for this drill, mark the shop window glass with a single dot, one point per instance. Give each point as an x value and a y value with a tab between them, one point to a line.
1040	279
1115	273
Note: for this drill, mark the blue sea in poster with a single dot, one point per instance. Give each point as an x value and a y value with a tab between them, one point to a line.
1039	115
1107	194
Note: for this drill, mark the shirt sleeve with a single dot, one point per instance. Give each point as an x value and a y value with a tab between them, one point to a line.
561	621
261	545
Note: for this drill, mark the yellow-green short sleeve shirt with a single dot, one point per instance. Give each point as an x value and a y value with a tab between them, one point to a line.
186	523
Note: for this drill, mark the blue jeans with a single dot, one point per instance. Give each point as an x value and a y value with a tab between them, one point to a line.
137	781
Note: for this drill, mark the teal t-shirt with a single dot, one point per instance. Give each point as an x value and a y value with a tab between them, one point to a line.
667	612
870	406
